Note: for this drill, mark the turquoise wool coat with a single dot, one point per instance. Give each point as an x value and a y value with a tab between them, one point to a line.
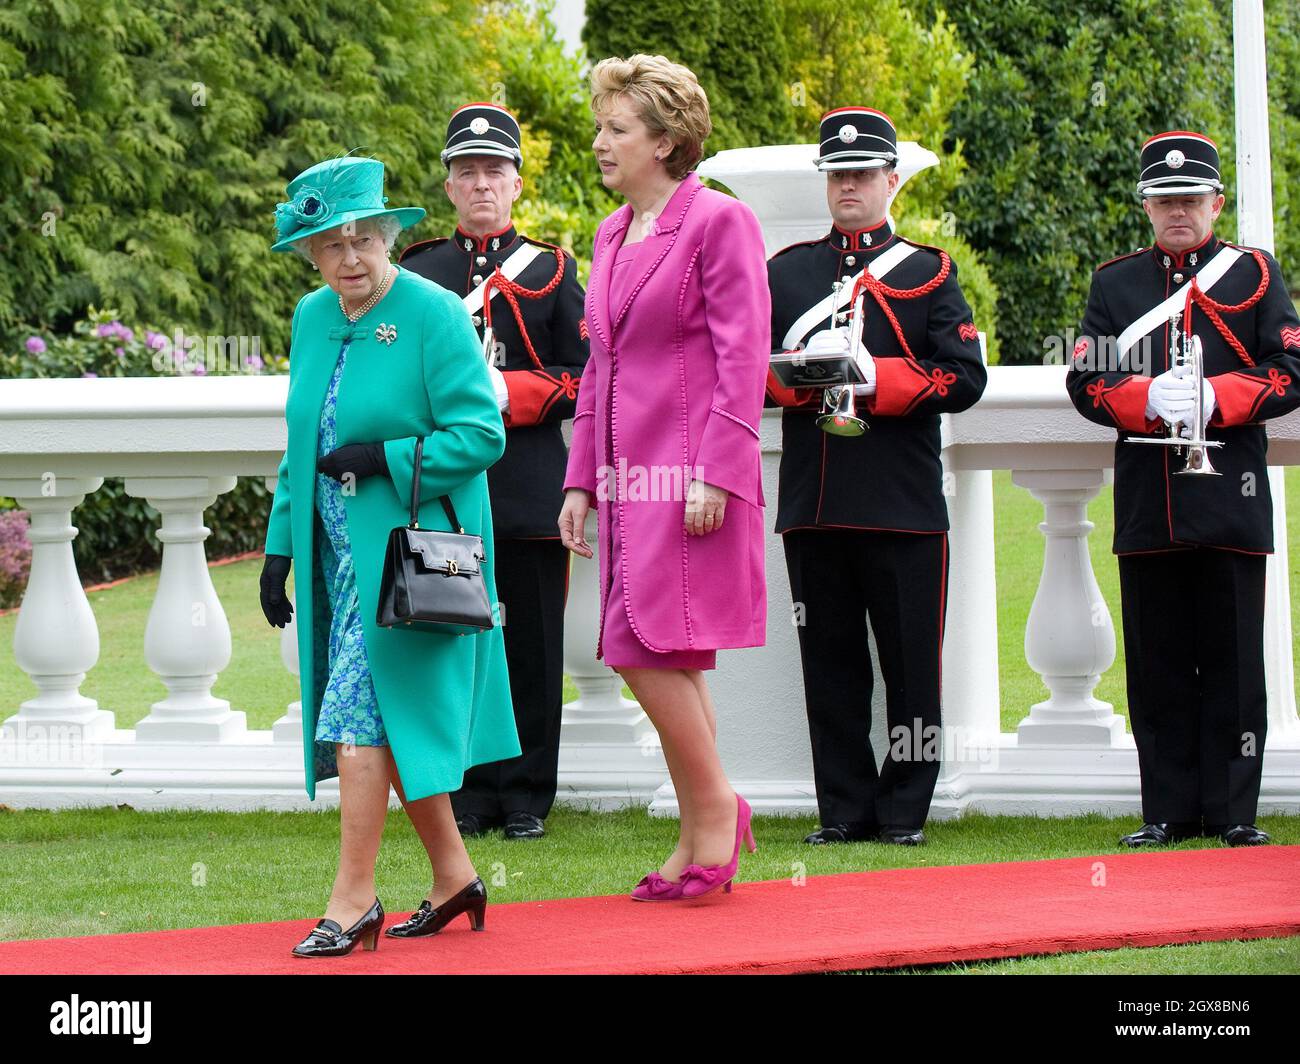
444	699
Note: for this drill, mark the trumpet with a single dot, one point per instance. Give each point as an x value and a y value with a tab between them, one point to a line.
839	411
1185	350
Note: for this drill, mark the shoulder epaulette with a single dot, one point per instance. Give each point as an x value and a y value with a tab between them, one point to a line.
421	246
924	247
1121	258
797	244
544	244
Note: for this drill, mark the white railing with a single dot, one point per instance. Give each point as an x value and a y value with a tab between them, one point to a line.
181	442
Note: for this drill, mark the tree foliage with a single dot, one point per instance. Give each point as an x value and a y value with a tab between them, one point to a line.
1061	100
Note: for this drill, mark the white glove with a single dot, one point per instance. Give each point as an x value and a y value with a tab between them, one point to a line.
1209	401
1171	396
499	383
827	342
836	342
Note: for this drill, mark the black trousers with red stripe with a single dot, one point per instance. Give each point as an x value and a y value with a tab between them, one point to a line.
838	579
532	577
1194	650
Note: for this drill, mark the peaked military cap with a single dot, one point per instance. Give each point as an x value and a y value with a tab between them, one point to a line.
1179	163
483	129
856	138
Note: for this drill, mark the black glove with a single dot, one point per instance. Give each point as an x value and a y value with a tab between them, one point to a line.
275	602
360	459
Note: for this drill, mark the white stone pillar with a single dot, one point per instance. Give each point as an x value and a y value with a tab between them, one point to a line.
971	693
610	752
1279	661
56	641
1069	640
187	637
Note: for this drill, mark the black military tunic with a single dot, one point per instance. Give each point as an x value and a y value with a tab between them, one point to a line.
527	484
1192	548
527	491
850	510
1154	510
890	477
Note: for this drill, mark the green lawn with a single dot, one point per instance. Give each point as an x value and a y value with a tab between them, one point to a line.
97	871
109	870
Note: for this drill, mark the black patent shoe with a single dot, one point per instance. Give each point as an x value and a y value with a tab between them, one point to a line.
328	939
1161	834
523	825
833	833
903	836
1239	834
471	824
426	920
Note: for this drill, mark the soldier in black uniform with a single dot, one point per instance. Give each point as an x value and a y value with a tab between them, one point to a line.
863	519
528	292
1191	547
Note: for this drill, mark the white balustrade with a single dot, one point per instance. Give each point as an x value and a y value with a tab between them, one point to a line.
179	446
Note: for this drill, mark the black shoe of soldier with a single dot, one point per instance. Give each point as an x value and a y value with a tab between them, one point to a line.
1161	834
472	824
903	836
833	833
1238	834
522	825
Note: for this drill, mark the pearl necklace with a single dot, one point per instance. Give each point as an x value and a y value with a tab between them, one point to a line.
375	297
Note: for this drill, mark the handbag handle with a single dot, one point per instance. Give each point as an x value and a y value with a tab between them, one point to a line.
415	493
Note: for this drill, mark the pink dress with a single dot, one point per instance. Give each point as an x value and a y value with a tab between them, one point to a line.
620	644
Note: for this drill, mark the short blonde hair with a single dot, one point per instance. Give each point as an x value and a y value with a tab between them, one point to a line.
667	98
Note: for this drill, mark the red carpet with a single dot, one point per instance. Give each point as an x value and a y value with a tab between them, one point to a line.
860	920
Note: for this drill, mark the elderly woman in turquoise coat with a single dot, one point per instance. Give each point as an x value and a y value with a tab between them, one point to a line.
380	356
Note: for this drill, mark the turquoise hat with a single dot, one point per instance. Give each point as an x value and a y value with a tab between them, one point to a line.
332	193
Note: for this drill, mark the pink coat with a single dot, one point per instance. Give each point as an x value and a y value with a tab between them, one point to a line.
673	389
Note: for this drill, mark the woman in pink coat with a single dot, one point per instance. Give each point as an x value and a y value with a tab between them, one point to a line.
665	439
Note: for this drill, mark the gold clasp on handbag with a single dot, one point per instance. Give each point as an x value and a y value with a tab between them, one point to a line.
452	568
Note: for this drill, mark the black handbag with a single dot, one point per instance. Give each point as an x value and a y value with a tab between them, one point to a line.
433	581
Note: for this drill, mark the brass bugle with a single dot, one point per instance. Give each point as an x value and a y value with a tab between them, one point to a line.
1186	351
839	414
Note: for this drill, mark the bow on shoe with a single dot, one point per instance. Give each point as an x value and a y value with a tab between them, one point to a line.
707	876
656	884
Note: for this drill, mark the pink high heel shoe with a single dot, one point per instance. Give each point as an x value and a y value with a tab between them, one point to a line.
655	888
698	880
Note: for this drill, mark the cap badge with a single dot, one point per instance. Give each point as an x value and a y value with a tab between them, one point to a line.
479	126
848	133
1175	159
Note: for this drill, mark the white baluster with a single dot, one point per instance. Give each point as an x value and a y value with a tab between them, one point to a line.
56	641
1069	640
187	638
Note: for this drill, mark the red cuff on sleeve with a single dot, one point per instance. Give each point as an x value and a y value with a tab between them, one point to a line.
1237	397
1126	403
533	393
900	383
783	396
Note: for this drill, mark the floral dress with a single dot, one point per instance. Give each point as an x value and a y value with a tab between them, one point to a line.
349	710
